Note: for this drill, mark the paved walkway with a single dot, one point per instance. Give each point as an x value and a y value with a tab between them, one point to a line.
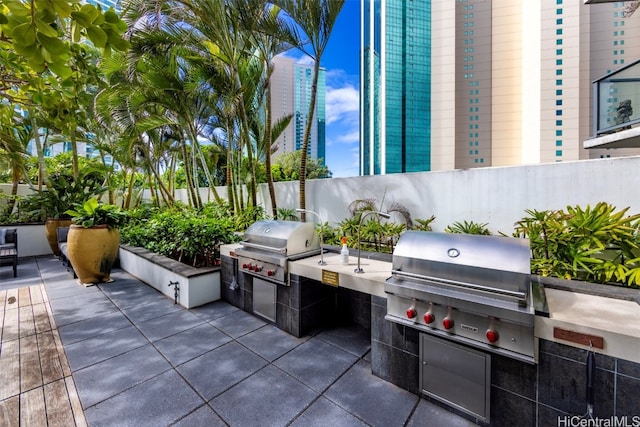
137	359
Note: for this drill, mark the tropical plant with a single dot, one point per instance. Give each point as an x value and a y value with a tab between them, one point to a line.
310	30
181	233
596	244
424	224
64	194
468	227
92	213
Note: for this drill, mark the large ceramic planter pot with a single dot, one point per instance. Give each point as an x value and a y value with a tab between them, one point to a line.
92	252
50	229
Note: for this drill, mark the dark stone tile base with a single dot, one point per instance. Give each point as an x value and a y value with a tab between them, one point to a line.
521	394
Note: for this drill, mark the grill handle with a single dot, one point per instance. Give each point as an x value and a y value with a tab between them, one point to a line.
264	247
521	297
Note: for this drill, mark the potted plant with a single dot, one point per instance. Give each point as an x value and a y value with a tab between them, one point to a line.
51	204
93	240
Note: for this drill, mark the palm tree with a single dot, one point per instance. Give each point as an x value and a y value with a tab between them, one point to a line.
315	19
264	25
15	134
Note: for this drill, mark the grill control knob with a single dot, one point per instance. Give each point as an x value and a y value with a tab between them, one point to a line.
447	323
245	265
257	268
271	272
492	336
411	313
429	318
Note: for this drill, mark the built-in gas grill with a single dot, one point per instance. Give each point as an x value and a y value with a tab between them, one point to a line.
470	296
471	289
269	245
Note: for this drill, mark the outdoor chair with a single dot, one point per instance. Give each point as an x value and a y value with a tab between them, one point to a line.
9	248
62	233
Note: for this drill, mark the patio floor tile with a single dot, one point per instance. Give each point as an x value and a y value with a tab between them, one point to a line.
187	345
150	310
203	416
93	350
377	402
95	326
216	371
270	397
80	307
157	402
214	310
324	413
316	363
270	342
104	380
354	339
171	324
238	323
437	416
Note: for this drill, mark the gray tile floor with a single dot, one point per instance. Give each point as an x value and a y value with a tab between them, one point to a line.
138	359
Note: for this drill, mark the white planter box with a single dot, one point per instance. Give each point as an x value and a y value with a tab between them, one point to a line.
198	286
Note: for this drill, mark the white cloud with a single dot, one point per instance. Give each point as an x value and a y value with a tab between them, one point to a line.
341	103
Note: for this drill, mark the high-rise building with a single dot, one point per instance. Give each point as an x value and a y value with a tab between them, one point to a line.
291	94
453	84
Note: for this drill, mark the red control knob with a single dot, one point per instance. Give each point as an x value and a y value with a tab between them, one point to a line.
447	323
257	268
429	318
270	272
492	336
245	265
411	313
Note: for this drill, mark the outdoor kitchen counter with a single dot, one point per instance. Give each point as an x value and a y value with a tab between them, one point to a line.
370	282
616	321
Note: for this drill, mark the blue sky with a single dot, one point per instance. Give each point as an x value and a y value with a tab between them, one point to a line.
341	61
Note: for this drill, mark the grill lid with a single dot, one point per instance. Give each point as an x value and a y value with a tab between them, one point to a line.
497	264
287	238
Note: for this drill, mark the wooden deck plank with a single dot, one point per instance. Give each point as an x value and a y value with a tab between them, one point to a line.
10	412
36	294
74	399
10	371
24	297
41	318
12	299
10	327
32	408
66	369
49	358
30	372
59	411
3	299
27	325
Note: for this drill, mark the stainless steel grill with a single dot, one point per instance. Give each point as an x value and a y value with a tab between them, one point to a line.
269	245
474	290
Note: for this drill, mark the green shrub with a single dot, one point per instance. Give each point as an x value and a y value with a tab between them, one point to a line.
592	244
181	233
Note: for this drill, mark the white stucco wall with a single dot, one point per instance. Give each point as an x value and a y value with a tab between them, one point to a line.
497	196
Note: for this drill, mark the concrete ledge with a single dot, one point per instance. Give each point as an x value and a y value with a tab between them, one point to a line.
198	286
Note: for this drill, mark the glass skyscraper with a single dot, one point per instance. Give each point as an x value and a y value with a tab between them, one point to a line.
395	86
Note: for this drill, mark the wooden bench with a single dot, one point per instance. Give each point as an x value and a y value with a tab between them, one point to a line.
9	249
